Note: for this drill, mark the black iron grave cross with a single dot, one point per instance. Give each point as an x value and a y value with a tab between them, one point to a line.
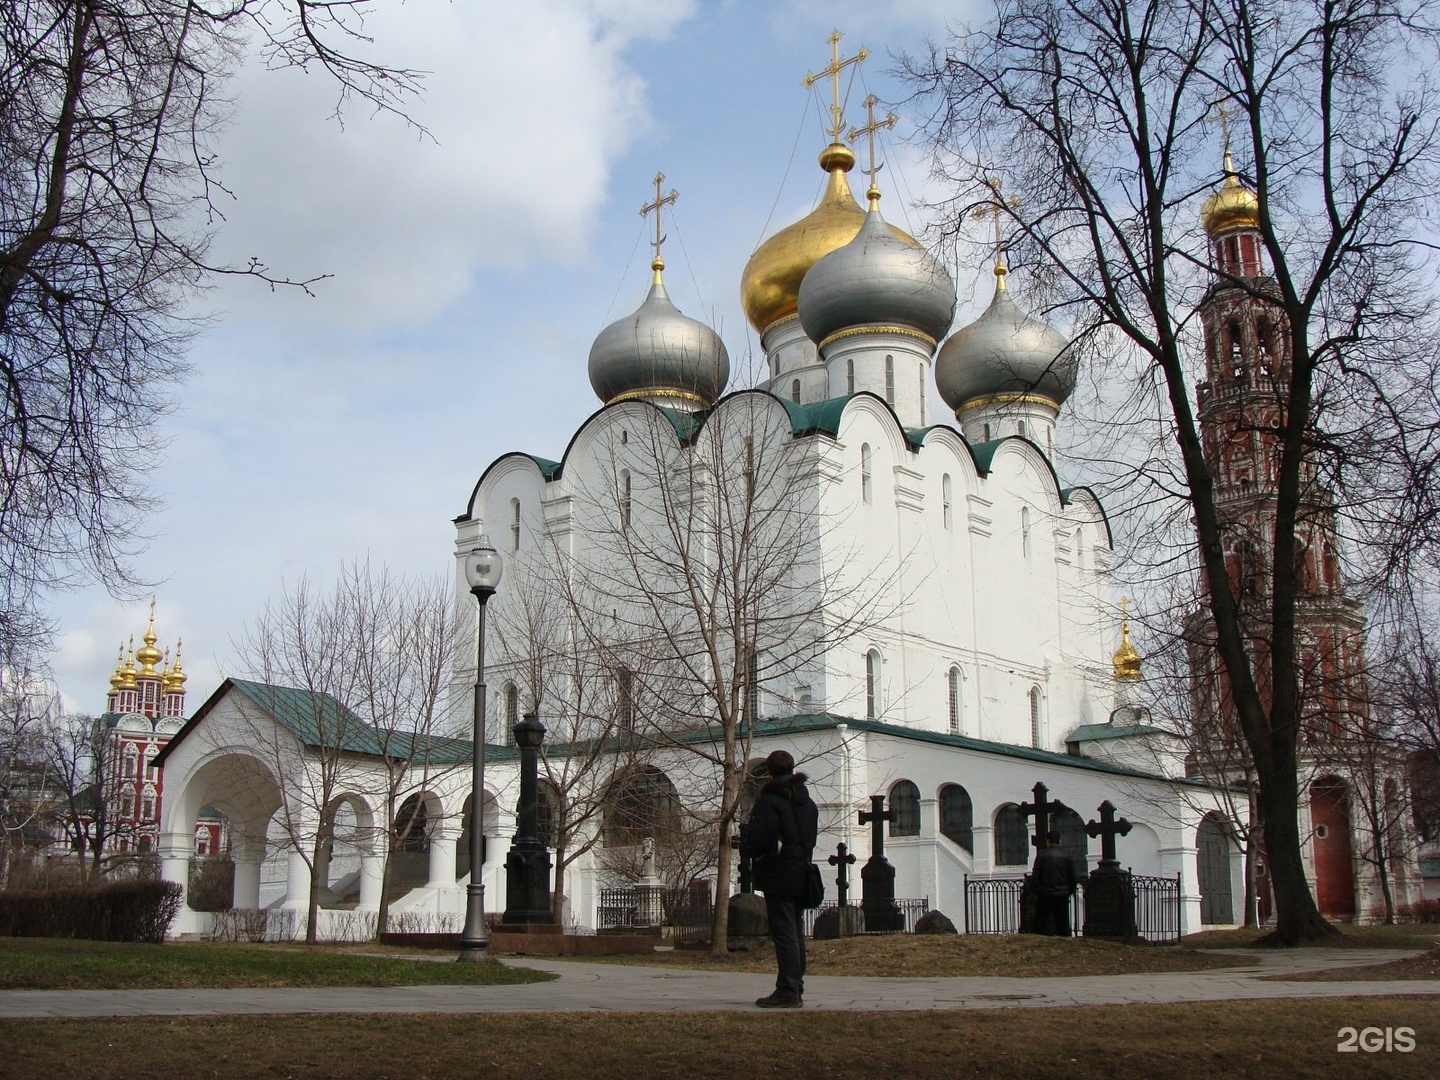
1107	828
876	817
842	860
1041	808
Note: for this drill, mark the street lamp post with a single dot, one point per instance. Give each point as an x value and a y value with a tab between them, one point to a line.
483	570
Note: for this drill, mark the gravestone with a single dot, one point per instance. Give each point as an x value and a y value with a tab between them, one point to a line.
1041	808
843	920
749	920
935	922
877	876
1109	893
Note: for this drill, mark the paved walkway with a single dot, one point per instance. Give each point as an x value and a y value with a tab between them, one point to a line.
585	987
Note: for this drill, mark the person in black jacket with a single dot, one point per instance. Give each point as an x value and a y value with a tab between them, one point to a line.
781	840
1053	878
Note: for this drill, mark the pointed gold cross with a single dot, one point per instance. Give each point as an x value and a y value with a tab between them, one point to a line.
995	210
657	264
872	126
837	111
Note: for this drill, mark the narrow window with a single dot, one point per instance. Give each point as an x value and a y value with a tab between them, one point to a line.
850	376
147	804
986	437
132	762
1036	735
795	391
1012	840
947	510
890	381
1025	531
872	684
865	472
749	469
625	500
957	816
1080	548
752	684
1020	428
514	524
512	713
923	396
624	436
953	684
625	699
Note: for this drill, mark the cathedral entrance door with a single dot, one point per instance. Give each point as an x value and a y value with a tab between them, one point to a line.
1334	856
1212	857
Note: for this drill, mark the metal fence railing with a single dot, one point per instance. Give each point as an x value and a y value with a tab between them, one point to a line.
688	911
899	917
992	906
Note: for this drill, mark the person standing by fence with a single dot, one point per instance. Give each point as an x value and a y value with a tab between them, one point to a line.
781	839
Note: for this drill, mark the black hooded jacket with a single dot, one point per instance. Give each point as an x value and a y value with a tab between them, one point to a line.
781	836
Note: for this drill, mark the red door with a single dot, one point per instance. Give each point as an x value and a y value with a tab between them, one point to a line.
1334	857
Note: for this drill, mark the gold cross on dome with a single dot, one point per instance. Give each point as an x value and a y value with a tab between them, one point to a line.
837	110
660	202
995	209
1124	609
871	128
1224	110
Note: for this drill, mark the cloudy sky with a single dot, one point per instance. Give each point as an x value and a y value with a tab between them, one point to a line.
471	272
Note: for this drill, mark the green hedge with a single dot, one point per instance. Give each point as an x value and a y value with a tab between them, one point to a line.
114	911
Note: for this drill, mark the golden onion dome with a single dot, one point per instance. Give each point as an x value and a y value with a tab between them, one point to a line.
128	675
770	285
117	679
1234	206
148	654
1126	658
175	677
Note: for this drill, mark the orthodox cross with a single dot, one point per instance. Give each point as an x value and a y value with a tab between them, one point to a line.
842	860
871	128
837	111
1107	828
876	817
1042	808
1224	110
995	210
747	870
660	202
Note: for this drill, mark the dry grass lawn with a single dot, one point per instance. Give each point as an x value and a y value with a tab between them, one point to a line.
1401	936
1230	1040
1424	966
952	954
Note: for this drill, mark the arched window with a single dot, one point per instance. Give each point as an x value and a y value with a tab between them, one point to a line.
1012	839
147	804
850	376
986	430
1025	531
904	809
947	509
749	470
865	466
625	502
1037	735
952	681
1072	839
127	802
924	397
752	684
872	684
795	391
890	381
131	758
1232	334
957	816
1020	428
642	803
514	524
1080	549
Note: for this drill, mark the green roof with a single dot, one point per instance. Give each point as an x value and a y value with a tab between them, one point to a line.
548	469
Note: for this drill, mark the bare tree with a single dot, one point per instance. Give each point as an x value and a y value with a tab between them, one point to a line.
27	789
706	581
1102	113
108	197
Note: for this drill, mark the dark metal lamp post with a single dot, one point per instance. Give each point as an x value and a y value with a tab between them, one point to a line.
483	570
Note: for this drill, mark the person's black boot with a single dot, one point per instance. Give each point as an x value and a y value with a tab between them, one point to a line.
779	1000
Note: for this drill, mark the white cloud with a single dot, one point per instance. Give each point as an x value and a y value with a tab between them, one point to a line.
527	106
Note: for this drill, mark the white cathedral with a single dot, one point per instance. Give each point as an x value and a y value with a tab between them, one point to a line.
929	611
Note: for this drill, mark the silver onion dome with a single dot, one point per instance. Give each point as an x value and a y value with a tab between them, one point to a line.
656	351
877	279
1004	352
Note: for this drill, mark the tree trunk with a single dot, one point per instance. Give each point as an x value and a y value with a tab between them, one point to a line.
1251	918
312	910
720	924
382	912
557	894
1297	920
